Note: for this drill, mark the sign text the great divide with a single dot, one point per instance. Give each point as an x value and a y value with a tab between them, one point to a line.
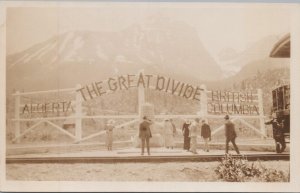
125	82
220	102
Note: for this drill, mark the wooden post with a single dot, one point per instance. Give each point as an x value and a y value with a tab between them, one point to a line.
78	115
141	96
203	101
261	113
17	117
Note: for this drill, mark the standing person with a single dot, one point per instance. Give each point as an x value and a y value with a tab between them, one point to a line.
186	132
278	134
145	134
230	134
109	134
193	135
174	127
205	134
169	134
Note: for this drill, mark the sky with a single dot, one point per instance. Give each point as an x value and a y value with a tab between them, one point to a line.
219	26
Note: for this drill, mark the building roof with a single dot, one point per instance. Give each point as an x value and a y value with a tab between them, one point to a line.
282	48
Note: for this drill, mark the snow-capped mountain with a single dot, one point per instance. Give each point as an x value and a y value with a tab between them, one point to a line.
158	45
234	63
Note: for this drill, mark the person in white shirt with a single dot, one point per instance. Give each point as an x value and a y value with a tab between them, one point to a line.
194	128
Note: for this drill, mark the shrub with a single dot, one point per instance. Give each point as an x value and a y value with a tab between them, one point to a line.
238	169
273	175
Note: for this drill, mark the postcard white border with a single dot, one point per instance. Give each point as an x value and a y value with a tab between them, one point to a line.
76	186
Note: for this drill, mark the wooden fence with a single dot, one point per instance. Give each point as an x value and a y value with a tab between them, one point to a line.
79	115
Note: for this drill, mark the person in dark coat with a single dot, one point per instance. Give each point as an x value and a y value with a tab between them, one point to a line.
186	133
278	133
145	134
230	134
205	134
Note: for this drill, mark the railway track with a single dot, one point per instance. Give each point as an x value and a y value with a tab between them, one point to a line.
136	159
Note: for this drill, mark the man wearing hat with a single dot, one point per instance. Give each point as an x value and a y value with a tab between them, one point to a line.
205	134
195	127
278	134
230	134
145	134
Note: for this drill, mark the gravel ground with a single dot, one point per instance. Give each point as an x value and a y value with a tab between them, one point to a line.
188	171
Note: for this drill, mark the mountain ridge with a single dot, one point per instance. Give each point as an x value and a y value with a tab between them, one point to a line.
90	55
158	46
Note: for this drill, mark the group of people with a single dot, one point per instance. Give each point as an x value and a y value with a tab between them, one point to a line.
145	134
190	132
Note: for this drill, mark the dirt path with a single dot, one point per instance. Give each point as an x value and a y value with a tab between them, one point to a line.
188	171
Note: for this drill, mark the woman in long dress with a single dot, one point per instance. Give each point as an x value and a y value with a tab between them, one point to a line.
186	133
169	134
109	134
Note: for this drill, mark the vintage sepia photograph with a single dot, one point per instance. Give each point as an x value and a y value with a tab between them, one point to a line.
148	92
